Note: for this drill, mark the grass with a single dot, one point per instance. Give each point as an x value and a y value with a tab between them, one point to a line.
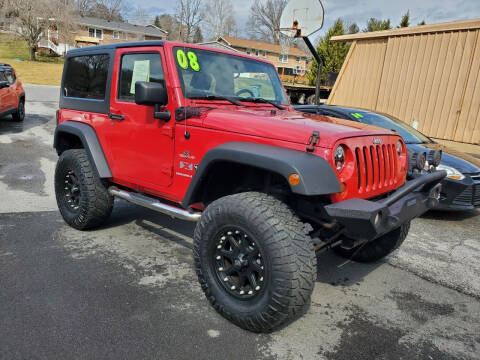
44	71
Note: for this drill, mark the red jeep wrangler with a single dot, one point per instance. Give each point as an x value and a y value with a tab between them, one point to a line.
12	96
208	135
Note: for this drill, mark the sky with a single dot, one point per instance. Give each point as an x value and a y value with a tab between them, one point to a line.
359	11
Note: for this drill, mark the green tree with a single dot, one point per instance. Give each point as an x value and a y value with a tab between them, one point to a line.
422	23
405	22
157	22
333	54
353	29
377	25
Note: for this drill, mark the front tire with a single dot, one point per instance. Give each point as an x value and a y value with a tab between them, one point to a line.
19	115
82	198
378	248
254	261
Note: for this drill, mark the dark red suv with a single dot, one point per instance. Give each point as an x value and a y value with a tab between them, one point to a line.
12	95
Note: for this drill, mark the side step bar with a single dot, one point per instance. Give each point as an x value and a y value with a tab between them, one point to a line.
154	204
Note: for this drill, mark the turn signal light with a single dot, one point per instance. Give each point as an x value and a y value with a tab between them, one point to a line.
294	179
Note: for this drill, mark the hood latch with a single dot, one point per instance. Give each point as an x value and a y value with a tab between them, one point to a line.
313	141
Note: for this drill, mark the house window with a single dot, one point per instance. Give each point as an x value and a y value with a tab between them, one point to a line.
264	53
249	51
116	35
283	58
95	33
298	59
257	52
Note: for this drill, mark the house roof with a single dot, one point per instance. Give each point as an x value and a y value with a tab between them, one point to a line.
150	30
261	45
422	29
217	45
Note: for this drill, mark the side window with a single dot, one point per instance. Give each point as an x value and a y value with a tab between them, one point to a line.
10	76
86	77
2	76
138	67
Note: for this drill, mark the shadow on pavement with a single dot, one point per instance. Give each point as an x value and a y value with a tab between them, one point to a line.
9	126
450	215
331	269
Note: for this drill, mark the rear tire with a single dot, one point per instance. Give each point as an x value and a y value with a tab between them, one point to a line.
271	244
19	115
82	197
378	248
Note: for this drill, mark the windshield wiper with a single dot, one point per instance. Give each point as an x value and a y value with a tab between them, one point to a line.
217	97
264	101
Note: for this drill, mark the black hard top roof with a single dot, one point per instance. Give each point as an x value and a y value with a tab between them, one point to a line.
100	48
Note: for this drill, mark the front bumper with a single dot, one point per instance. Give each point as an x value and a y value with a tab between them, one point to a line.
365	220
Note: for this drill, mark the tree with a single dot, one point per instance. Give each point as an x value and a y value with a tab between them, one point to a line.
353	29
198	37
332	54
140	17
32	18
405	22
219	18
189	16
169	24
422	23
112	10
377	25
84	6
265	20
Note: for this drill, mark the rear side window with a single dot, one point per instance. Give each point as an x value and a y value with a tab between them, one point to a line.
138	67
86	77
2	76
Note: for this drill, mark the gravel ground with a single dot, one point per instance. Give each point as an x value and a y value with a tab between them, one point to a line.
129	290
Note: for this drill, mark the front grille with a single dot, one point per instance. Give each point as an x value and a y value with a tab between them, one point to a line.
465	197
471	195
377	167
476	194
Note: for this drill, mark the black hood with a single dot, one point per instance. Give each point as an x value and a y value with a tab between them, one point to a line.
464	163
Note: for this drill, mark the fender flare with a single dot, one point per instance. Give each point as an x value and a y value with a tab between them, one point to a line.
316	174
90	142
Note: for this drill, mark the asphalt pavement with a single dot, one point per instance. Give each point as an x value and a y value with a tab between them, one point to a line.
129	289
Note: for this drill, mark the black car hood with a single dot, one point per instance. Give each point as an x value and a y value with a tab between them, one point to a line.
464	163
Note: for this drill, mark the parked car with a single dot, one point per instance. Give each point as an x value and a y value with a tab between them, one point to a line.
461	187
209	135
12	95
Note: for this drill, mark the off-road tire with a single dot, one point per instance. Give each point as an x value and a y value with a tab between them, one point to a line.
378	248
19	114
288	256
95	204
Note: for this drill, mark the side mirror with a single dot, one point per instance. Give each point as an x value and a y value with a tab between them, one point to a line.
150	93
4	84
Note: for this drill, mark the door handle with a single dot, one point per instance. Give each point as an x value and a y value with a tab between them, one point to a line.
116	116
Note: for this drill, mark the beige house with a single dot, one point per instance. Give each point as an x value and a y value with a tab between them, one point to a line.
289	66
427	76
93	31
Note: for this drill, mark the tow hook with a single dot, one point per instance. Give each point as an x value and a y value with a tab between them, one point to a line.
313	141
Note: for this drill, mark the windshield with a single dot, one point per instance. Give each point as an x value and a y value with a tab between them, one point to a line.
206	73
408	133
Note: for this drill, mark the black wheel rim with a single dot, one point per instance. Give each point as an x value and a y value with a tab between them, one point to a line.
238	263
72	191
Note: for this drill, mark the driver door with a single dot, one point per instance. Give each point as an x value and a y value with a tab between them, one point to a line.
141	146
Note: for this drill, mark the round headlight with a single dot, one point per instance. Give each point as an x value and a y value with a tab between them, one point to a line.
421	161
399	148
435	157
339	158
